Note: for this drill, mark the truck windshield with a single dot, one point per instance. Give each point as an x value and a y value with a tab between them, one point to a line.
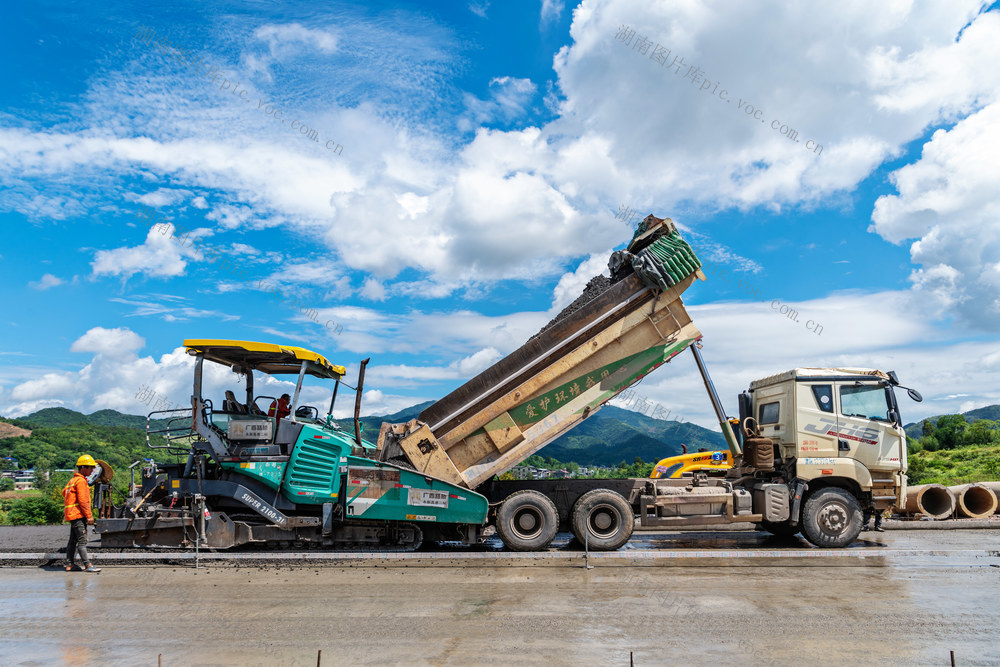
866	401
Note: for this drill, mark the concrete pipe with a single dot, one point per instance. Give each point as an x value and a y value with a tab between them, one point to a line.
995	488
934	500
974	500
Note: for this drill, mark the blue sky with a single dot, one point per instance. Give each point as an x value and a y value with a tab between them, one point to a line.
458	180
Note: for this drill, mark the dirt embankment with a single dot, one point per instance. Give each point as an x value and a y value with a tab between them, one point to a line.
11	431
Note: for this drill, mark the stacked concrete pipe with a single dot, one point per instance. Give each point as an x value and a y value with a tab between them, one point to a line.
995	488
934	500
974	500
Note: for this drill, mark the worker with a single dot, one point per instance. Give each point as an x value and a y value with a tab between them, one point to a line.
76	510
868	515
280	408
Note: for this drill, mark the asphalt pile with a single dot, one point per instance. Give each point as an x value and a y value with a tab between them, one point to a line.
596	286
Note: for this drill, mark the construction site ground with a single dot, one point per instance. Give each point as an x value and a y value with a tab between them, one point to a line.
723	597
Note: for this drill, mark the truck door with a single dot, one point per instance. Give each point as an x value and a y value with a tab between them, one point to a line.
862	423
817	420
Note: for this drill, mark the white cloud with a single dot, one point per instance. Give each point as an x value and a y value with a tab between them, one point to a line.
572	284
41	207
431	334
508	100
373	290
942	80
109	342
285	41
172	310
949	200
161	197
860	330
479	8
160	256
403	375
119	379
864	81
451	215
551	9
478	362
48	281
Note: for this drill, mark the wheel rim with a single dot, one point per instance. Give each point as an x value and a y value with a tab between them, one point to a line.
834	518
527	523
603	521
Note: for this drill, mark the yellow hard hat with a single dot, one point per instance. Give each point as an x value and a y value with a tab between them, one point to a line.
86	460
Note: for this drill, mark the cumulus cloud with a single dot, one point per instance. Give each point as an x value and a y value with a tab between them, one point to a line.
373	290
432	334
571	284
160	256
109	342
47	281
508	100
403	375
118	378
522	203
949	201
854	330
161	197
451	215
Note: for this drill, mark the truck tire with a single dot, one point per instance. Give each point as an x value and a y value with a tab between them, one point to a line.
602	519
831	518
780	529
527	521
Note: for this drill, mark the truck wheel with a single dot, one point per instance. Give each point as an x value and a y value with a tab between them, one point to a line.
780	529
527	521
831	518
603	519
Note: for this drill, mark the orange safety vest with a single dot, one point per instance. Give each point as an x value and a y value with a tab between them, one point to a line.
76	498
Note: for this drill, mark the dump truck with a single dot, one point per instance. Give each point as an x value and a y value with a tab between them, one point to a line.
811	447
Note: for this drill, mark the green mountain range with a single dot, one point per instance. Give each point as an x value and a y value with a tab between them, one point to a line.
609	437
605	439
992	412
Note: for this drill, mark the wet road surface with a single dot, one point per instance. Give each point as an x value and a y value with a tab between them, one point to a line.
901	611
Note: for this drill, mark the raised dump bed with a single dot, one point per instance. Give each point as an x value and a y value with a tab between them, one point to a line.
596	348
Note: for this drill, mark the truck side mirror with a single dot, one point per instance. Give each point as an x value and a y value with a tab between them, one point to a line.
915	395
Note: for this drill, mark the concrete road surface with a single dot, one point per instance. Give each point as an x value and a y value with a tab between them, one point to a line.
903	610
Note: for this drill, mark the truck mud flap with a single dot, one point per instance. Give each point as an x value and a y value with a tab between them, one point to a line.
799	489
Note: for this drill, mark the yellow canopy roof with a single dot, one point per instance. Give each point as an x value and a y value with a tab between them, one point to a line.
265	357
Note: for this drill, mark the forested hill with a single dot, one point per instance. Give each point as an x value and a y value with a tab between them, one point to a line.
55	447
54	417
991	412
609	437
60	435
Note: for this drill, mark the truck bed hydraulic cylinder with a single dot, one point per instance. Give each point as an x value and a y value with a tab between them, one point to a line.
720	413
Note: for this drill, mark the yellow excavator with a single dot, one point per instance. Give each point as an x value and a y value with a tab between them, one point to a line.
674	467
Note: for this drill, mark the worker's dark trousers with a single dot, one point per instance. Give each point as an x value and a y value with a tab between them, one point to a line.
868	515
77	541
